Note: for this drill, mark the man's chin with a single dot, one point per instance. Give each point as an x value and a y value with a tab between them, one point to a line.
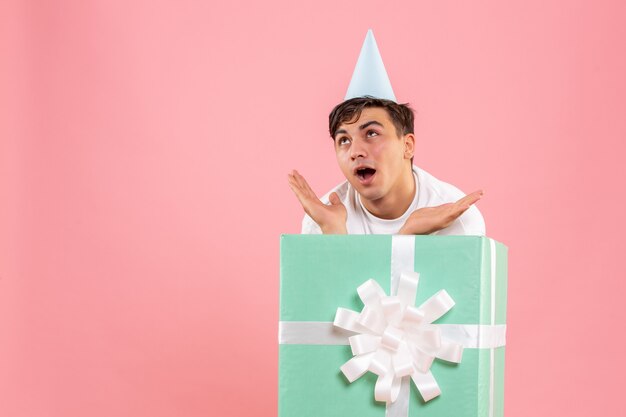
369	193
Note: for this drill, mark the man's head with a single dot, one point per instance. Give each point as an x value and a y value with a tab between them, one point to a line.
401	115
374	144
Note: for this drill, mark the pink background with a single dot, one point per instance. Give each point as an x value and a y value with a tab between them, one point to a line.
144	148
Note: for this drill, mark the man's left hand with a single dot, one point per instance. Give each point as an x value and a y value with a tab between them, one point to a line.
431	219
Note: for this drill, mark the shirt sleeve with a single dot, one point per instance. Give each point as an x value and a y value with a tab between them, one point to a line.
473	222
309	227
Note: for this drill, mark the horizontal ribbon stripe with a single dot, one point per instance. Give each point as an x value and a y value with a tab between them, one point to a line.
471	336
311	333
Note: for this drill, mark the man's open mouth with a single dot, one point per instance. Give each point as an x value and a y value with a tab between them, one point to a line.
365	174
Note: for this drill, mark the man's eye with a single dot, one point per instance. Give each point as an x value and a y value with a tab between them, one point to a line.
372	133
343	141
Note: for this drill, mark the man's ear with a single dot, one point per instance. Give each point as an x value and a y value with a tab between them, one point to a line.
409	145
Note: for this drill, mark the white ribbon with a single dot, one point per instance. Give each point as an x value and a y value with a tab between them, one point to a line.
471	336
395	339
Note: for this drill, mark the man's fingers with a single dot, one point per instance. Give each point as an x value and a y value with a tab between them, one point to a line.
334	199
465	202
297	179
305	185
294	176
296	189
302	185
293	183
301	189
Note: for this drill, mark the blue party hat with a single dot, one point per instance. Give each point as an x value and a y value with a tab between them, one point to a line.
370	77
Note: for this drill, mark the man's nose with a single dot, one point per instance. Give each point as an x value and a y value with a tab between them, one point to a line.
358	150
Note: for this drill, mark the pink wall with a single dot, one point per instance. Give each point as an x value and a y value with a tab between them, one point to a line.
144	148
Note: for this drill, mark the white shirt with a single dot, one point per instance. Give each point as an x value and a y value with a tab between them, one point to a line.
429	192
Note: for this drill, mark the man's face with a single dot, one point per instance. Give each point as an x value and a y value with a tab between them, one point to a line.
371	154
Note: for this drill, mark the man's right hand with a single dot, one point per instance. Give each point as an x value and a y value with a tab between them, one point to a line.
330	218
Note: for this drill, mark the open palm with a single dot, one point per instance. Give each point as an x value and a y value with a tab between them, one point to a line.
330	218
430	219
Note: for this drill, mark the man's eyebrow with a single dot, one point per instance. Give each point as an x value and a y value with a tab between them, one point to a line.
373	122
363	126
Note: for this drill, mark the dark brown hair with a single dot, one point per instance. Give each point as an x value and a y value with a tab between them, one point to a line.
350	110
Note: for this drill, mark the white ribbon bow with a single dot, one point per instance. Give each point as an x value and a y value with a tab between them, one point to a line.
396	339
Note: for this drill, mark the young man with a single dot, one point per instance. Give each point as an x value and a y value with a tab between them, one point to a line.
384	193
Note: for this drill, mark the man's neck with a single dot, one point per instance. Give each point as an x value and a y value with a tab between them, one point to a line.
396	202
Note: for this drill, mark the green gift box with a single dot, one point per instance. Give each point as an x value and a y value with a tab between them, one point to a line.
320	273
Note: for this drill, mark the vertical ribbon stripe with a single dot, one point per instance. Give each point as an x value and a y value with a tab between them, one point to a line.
402	259
492	258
